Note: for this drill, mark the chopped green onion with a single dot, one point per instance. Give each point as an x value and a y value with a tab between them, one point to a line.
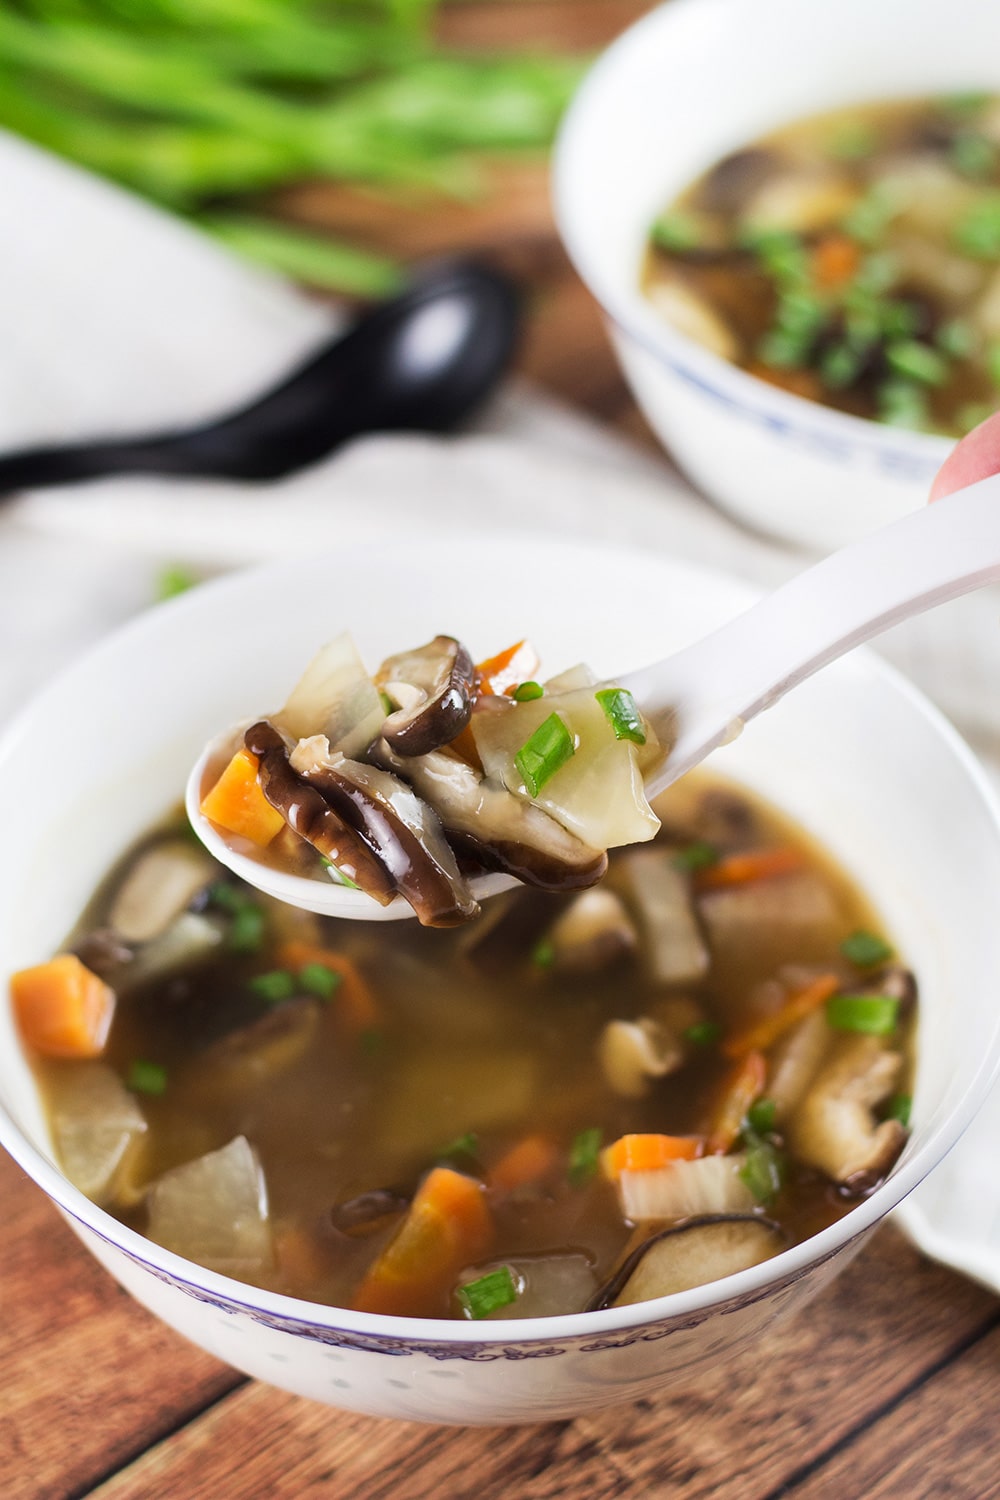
782	255
851	140
973	155
147	1078
675	231
865	949
174	580
246	933
702	1034
760	1116
968	103
916	361
763	1170
956	337
338	875
526	692
870	216
903	403
228	897
978	233
622	714
274	986
317	979
696	856
542	755
488	1293
899	1107
841	365
875	1015
993	363
543	955
462	1148
584	1153
876	274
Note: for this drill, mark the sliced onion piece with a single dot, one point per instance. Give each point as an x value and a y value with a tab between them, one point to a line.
547	1285
686	1189
690	1255
334	696
96	1125
213	1210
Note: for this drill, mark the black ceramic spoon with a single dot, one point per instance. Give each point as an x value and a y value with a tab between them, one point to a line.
421	361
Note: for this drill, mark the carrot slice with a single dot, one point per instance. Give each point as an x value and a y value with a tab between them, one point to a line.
834	261
764	1033
742	1087
500	673
756	864
448	1227
647	1153
237	803
530	1161
354	994
62	1009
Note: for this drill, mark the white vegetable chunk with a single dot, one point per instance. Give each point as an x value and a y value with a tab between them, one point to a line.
633	1053
693	316
548	1285
335	696
96	1126
686	1189
672	944
213	1210
159	885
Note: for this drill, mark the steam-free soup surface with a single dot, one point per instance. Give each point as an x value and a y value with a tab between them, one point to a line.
432	1122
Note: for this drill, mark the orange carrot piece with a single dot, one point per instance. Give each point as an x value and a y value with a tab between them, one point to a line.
647	1153
62	1009
755	864
530	1161
237	803
354	993
502	672
764	1033
448	1227
834	261
743	1087
464	746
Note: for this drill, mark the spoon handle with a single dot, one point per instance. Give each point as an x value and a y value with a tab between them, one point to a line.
706	692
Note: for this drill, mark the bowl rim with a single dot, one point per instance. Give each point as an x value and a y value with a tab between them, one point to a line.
753	1284
656	337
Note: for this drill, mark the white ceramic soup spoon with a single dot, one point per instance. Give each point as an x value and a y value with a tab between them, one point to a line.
702	696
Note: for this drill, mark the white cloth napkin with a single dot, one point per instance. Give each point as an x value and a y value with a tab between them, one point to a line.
117	318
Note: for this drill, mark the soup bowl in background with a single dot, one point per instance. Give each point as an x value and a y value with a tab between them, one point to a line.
855	755
683	87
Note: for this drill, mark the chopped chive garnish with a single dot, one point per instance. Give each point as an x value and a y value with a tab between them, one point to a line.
386	702
851	140
703	1033
762	1171
543	955
760	1116
544	753
956	337
782	254
583	1155
865	949
147	1078
967	103
978	233
317	979
903	403
675	231
899	1107
228	897
841	365
916	361
696	856
488	1293
973	154
338	875
274	986
873	1014
869	218
246	934
174	580
462	1148
527	692
622	714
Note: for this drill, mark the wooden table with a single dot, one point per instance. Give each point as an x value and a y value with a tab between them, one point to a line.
881	1388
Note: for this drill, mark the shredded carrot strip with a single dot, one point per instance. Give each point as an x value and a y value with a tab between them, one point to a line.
756	864
647	1153
464	746
500	673
530	1161
764	1033
835	260
354	994
448	1227
237	803
61	1008
741	1088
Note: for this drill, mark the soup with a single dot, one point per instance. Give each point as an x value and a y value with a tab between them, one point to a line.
853	259
574	1099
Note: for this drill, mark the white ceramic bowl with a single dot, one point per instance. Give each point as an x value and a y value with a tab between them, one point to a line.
684	86
856	755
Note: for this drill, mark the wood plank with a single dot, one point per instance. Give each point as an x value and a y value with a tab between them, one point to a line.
87	1377
891	1319
939	1442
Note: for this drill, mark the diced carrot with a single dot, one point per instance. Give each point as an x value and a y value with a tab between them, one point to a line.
354	994
755	864
530	1161
502	672
834	261
62	1009
448	1227
765	1032
742	1087
237	803
464	746
647	1153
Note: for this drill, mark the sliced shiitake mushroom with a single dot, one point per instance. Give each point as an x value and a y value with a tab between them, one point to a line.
159	884
368	1212
689	1255
594	931
434	688
834	1127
